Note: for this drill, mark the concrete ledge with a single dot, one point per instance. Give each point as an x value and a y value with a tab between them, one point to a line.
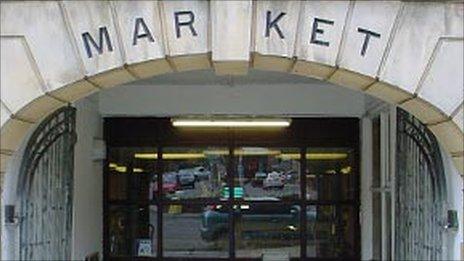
231	68
424	111
272	63
387	92
351	79
314	70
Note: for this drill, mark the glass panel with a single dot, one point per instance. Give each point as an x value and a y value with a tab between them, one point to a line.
330	174
331	231
191	173
130	178
195	231
267	229
132	230
273	173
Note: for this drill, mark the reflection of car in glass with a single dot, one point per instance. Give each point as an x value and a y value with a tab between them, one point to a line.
274	180
258	179
256	220
201	173
170	183
186	178
291	175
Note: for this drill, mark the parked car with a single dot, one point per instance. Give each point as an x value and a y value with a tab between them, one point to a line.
274	180
186	178
201	173
257	220
258	179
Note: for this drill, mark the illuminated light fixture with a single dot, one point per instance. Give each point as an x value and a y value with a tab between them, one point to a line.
326	156
145	155
170	156
242	152
292	228
346	170
256	152
122	169
137	170
245	123
216	152
186	155
112	165
244	206
315	156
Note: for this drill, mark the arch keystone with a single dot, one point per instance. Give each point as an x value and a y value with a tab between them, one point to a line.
231	20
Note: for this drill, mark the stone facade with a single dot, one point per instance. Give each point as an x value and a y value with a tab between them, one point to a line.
406	53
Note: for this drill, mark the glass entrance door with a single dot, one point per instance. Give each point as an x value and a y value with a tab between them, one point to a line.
243	196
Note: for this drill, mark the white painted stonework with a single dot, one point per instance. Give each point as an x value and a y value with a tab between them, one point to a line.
406	53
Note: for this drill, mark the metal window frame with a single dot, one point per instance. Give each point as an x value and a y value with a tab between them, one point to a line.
232	143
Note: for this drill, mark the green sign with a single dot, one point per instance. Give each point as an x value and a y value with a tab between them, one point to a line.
238	192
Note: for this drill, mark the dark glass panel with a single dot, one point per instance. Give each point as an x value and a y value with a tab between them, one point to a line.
330	174
195	231
265	229
331	231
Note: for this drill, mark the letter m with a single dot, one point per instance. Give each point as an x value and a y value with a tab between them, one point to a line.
89	41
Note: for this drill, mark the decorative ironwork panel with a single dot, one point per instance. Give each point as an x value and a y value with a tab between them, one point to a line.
420	192
46	187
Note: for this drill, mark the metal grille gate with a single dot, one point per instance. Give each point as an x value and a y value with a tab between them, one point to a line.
46	180
420	192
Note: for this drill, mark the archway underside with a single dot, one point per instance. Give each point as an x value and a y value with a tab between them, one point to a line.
65	54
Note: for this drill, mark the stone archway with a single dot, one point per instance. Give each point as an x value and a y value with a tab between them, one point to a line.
406	53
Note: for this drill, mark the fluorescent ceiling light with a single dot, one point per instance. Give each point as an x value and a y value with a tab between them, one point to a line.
123	169
316	156
246	123
241	152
